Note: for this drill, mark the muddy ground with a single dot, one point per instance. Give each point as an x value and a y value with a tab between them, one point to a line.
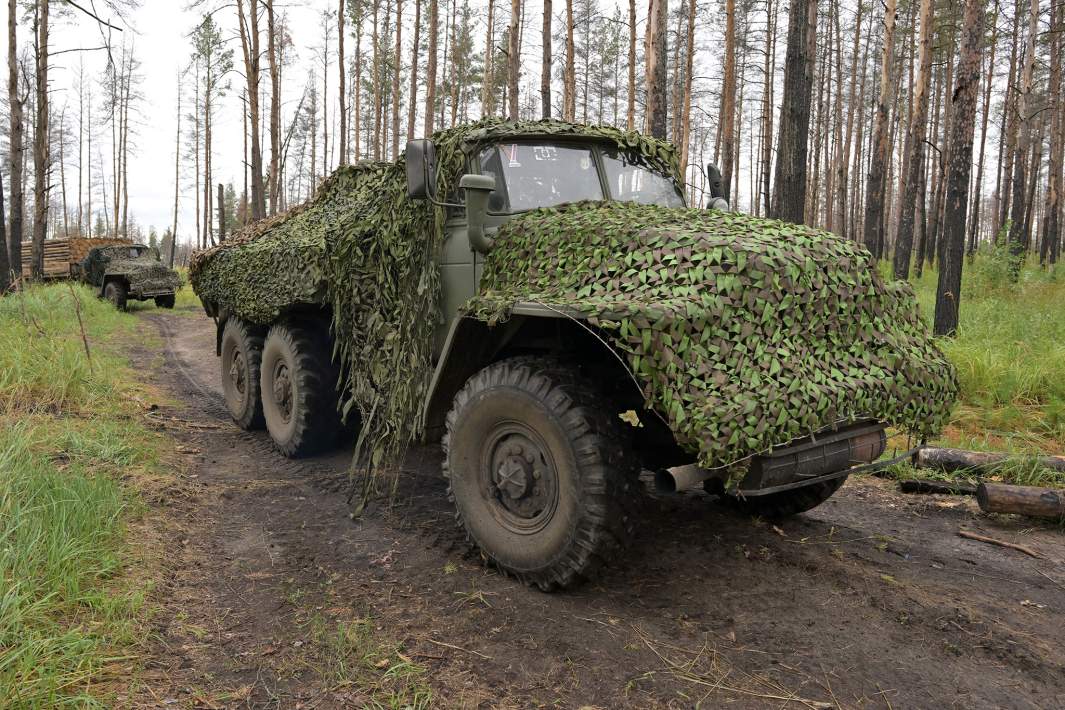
871	600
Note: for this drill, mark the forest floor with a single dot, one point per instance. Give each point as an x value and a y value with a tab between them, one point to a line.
271	595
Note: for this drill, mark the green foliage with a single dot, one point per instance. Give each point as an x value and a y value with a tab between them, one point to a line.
1010	355
745	333
67	439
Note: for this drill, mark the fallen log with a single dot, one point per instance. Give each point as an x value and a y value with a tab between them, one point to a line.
918	485
1023	500
960	460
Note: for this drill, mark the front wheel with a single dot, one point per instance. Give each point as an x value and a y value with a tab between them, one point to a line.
787	503
165	301
540	474
298	381
115	292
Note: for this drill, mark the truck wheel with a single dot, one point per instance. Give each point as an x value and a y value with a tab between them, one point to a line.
115	292
299	390
242	352
787	503
165	301
541	477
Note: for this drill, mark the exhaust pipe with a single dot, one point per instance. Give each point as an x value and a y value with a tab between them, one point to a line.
679	478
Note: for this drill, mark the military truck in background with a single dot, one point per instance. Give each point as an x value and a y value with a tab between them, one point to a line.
542	466
123	272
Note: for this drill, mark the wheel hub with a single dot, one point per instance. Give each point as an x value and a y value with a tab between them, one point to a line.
522	480
238	373
282	390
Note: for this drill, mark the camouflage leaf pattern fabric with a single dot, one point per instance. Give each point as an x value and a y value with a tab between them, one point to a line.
746	333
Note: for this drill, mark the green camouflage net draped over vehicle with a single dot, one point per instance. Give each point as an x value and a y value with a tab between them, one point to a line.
363	248
744	333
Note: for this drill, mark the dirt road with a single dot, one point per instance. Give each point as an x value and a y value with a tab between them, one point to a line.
275	597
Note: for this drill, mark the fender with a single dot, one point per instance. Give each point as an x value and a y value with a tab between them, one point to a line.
472	344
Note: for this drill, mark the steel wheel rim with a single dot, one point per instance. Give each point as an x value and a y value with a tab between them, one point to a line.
518	478
282	390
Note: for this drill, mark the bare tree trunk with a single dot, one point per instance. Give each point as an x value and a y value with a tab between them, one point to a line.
513	60
569	73
272	50
412	101
358	84
728	100
978	189
917	133
1019	227
395	79
545	72
221	213
5	262
656	68
630	111
686	128
197	140
177	176
873	230
768	70
249	40
1052	232
948	292
430	69
789	188
41	142
342	83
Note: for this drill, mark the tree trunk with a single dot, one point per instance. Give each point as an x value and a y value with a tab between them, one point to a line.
630	111
41	143
430	69
728	100
177	176
960	150
1052	230
917	134
873	229
5	262
685	125
412	102
789	188
513	60
978	189
249	40
273	48
398	62
569	75
768	73
658	18
1019	229
16	139
1021	500
342	83
545	72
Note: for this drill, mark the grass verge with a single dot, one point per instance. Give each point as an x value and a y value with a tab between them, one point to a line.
72	448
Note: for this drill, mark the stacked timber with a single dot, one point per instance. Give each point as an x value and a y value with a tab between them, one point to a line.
60	255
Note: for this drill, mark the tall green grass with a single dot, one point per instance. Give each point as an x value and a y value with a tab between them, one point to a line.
67	439
1010	355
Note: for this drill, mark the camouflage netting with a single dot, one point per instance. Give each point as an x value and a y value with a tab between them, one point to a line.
745	332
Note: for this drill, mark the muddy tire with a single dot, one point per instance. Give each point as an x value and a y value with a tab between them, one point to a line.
787	503
165	301
299	390
242	353
540	472
115	292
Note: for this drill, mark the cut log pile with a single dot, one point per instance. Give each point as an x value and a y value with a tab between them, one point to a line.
61	254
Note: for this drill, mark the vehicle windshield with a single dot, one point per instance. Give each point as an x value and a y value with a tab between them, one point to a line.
631	179
531	175
123	252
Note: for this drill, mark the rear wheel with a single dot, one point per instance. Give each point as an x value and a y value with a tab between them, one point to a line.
787	503
115	292
540	474
242	352
165	301
298	381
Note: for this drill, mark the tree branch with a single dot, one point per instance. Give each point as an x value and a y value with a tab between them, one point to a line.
91	14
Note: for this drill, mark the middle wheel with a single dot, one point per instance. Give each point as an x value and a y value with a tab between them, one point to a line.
298	389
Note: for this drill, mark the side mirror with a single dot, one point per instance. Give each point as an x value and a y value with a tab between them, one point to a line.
421	169
718	200
478	188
